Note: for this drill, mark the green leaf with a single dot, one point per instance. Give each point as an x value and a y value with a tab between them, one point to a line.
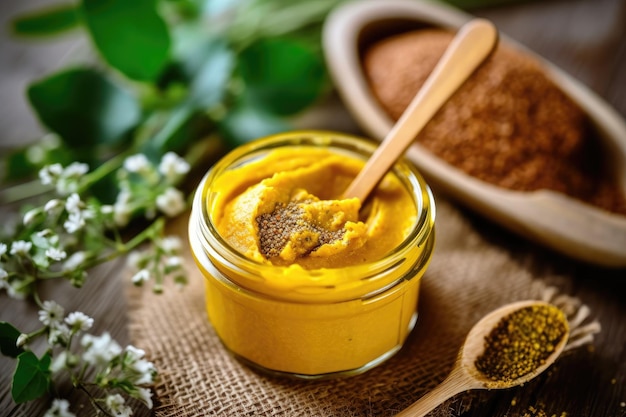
18	166
41	260
105	190
130	35
207	68
247	122
84	107
181	128
171	128
40	241
211	77
31	378
46	22
204	64
8	340
283	75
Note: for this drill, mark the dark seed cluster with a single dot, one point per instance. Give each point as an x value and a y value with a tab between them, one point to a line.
286	220
521	342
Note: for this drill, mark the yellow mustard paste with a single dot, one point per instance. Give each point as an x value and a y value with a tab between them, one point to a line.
311	182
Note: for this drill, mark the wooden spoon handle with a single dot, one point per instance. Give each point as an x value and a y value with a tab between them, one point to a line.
472	44
457	382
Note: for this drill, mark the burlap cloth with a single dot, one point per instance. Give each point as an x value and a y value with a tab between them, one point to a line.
470	274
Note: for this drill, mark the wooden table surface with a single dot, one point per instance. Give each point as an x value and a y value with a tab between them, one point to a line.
586	38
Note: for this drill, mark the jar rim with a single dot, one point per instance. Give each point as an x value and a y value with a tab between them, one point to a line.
257	271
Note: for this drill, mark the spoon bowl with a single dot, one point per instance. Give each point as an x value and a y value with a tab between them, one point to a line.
465	376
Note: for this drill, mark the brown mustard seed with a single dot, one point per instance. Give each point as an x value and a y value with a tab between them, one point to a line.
286	220
508	125
521	342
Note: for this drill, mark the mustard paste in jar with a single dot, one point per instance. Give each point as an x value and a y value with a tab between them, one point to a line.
308	186
298	280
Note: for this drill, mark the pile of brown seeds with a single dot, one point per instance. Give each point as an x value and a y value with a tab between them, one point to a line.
508	125
521	342
287	219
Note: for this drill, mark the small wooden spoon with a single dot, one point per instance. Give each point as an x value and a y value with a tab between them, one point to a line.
464	376
473	43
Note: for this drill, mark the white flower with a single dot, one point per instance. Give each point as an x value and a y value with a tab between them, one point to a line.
59	334
59	363
121	216
56	254
46	238
133	353
76	170
143	371
145	395
171	202
134	259
146	372
50	141
171	245
173	263
20	247
52	205
88	213
50	173
74	222
59	408
30	216
66	186
107	209
141	277
137	163
3	277
79	321
17	290
22	339
74	261
122	208
115	404
35	154
99	350
172	166
124	196
73	203
3	249
51	313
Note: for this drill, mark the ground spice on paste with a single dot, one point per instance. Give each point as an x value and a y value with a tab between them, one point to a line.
521	342
508	125
287	220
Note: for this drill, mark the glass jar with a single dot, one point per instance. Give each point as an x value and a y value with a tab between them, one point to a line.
335	321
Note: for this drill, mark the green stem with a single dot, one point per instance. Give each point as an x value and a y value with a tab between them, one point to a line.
149	232
276	20
36	333
103	170
121	249
23	191
37	299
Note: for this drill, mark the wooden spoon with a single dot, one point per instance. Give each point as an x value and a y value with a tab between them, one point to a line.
464	376
473	43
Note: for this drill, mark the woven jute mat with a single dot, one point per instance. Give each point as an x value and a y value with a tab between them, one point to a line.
470	275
